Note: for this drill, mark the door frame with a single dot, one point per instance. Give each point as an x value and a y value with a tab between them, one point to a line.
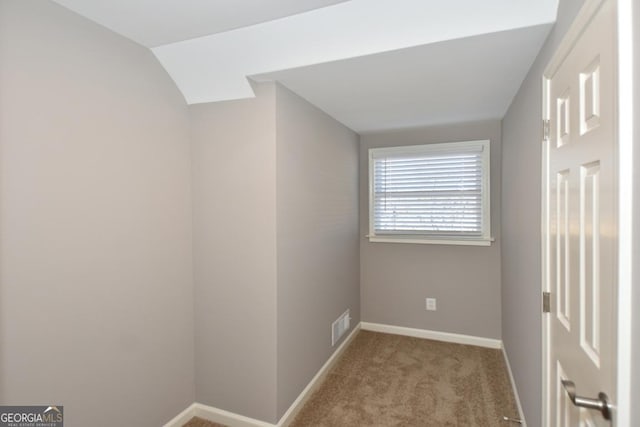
623	129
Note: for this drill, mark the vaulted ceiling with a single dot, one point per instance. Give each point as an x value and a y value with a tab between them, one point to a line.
371	64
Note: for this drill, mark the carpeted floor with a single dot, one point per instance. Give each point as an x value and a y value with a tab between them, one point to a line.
199	422
389	380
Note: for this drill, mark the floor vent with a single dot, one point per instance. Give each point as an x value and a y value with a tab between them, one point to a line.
340	326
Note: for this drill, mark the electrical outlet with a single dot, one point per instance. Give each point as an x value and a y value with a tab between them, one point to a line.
431	304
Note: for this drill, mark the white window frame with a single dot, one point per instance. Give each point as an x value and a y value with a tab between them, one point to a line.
484	239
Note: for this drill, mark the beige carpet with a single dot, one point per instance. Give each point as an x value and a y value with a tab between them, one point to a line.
389	380
199	422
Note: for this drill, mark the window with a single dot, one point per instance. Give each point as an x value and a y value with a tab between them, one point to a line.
433	193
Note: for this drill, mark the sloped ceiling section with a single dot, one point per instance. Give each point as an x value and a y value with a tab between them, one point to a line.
157	22
214	68
463	80
371	64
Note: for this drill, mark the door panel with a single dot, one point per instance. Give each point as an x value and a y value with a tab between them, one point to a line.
581	229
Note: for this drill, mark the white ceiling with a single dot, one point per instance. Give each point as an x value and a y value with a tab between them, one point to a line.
156	22
473	78
371	64
215	67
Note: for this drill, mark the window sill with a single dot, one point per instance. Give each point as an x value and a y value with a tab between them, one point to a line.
419	241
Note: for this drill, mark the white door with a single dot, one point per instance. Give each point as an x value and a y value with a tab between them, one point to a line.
581	228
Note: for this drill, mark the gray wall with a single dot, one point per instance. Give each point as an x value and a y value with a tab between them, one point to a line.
275	247
234	194
396	278
96	304
318	258
521	264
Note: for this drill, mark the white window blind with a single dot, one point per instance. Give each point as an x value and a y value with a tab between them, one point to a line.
434	192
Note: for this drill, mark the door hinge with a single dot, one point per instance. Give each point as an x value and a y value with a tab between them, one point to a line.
546	302
546	129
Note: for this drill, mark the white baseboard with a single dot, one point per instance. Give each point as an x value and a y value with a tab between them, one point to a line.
183	417
216	415
513	385
432	335
297	404
227	418
235	420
